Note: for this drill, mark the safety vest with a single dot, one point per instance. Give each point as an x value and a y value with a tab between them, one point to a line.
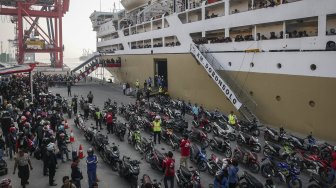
160	90
232	119
137	83
156	126
98	115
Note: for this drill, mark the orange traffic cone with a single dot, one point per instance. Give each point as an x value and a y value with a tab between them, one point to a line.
66	125
81	154
72	138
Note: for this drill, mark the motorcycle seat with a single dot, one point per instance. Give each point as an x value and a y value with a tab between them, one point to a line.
218	140
274	131
275	146
253	180
185	172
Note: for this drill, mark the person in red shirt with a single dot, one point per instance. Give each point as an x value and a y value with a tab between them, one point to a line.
169	165
332	172
109	121
185	151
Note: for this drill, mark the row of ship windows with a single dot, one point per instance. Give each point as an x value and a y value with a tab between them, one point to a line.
313	67
311	103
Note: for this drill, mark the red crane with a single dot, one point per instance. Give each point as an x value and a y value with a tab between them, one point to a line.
31	11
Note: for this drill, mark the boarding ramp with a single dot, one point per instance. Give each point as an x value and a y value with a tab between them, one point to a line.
86	62
232	90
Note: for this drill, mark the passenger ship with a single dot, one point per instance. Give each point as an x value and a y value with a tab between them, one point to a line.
273	60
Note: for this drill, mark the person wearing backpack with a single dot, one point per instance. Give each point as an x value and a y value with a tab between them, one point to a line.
221	179
169	165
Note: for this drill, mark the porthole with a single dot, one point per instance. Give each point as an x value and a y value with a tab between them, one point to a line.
251	93
251	64
279	65
230	64
278	98
313	67
311	103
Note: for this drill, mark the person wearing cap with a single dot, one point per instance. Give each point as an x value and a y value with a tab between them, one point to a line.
157	129
185	151
91	161
22	162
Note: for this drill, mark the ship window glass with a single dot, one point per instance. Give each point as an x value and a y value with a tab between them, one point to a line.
331	24
251	64
305	27
251	93
230	64
278	98
279	65
313	67
311	103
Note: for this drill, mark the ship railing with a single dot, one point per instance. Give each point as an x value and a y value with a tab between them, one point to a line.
239	91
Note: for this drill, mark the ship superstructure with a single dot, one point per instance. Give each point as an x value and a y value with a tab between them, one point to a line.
276	59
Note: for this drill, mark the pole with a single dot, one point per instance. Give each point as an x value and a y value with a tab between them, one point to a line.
31	85
100	5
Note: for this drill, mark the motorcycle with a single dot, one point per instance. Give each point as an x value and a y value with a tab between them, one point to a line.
156	160
79	121
274	136
122	109
248	141
249	127
273	150
99	141
248	180
146	182
285	172
325	151
170	138
90	133
224	130
317	182
203	124
198	156
221	145
69	111
134	138
247	158
188	179
199	136
129	169
111	155
215	164
301	143
120	130
178	125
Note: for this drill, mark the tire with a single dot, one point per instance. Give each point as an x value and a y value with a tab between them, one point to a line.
232	137
205	143
148	157
237	156
212	171
208	129
266	170
228	152
254	167
324	174
315	150
296	183
202	166
266	137
244	185
257	148
212	145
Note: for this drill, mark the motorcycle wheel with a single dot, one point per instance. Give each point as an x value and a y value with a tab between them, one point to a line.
266	171
232	137
205	143
294	183
212	145
254	167
215	131
266	136
148	157
213	169
202	166
237	156
315	150
257	148
208	129
256	132
228	153
243	185
324	174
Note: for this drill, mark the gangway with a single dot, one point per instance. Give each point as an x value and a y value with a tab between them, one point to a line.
86	62
237	96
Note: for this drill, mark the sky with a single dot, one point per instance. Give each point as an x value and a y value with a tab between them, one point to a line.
77	28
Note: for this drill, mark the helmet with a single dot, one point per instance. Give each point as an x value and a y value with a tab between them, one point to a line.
23	118
27	113
157	117
12	129
27	125
90	151
62	135
61	128
110	109
50	147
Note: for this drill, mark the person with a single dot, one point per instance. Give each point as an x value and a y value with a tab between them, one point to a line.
232	119
52	163
86	109
233	174
148	91
195	111
109	121
91	161
124	88
76	174
185	150
157	129
169	166
90	97
127	88
221	179
98	118
332	172
67	183
74	104
11	140
160	90
137	84
183	108
69	88
62	146
22	162
145	84
149	82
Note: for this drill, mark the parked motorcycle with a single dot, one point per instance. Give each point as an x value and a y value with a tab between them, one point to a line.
316	182
285	172
221	145
156	159
275	136
111	155
90	133
146	182
199	136
129	169
247	180
247	158
134	138
79	121
215	164
326	150
198	156
249	127
188	179
273	150
308	144
170	138
120	130
203	124
250	142
222	129
178	125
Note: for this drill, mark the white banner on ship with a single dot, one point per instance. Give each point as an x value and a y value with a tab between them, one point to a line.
213	74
